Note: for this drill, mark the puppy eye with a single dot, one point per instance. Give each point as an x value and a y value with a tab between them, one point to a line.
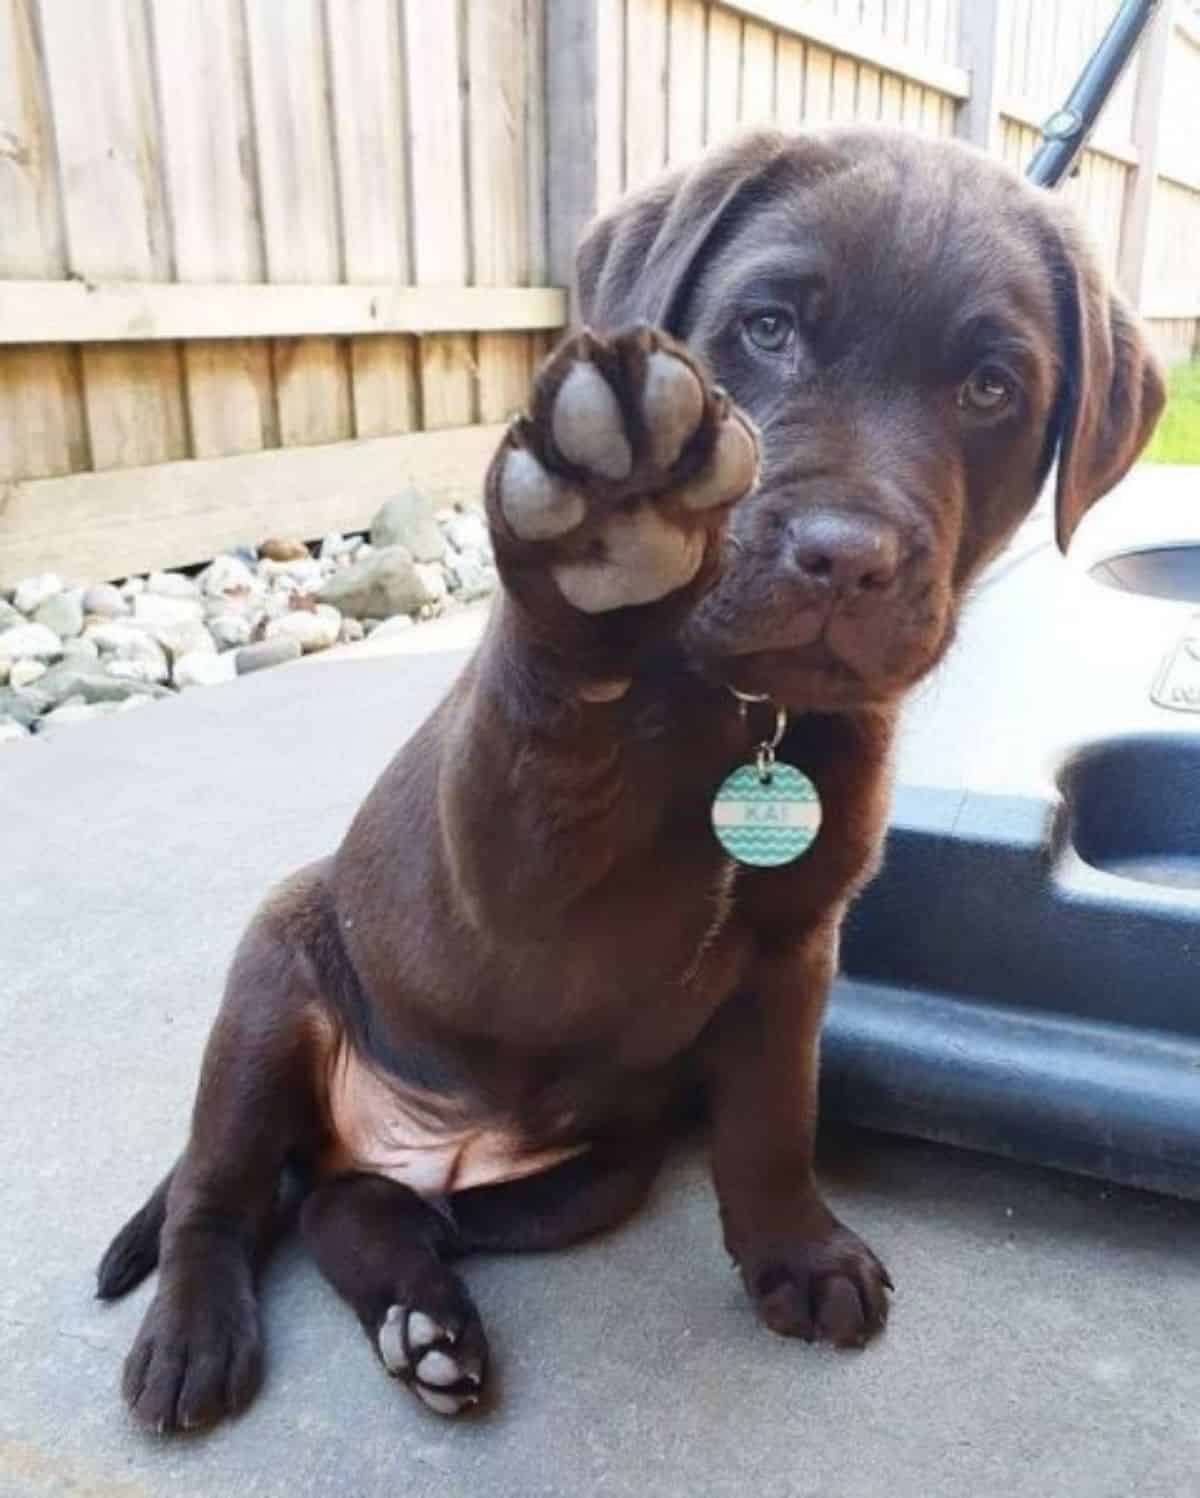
986	392
772	331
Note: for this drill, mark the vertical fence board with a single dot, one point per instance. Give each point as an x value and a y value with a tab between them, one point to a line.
31	238
724	74
116	227
366	68
891	99
789	83
645	90
844	98
610	101
685	89
499	203
41	406
301	233
438	187
200	62
818	86
756	103
869	83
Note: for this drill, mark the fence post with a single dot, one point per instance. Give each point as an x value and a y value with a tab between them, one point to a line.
1148	102
572	62
979	52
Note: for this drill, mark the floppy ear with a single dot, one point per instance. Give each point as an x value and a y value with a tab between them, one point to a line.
639	261
1112	388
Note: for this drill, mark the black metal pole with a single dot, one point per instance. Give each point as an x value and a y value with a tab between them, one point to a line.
1066	132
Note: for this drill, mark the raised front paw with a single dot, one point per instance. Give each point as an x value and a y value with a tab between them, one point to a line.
616	487
821	1283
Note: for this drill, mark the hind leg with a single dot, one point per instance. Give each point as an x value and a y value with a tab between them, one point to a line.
382	1247
558	1207
198	1355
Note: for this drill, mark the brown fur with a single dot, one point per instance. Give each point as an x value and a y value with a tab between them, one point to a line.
529	917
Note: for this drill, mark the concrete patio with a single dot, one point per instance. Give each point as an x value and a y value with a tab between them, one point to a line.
1045	1340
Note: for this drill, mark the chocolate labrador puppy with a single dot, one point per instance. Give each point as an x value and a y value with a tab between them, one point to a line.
823	378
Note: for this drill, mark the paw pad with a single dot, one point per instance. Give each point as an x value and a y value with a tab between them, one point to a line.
443	1365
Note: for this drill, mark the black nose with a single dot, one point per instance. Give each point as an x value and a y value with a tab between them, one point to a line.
846	552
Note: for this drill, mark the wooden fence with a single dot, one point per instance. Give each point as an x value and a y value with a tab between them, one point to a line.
264	261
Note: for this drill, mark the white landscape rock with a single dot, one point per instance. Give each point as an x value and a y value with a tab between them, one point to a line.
34	591
138	670
172	585
468	532
433	579
24	673
228	575
63	613
379	584
73	712
408	521
156	608
230	630
472	576
81	652
315	630
123	640
185	637
302	572
30	642
104	600
129	653
11	731
203	668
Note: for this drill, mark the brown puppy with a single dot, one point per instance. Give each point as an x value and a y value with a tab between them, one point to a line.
473	1023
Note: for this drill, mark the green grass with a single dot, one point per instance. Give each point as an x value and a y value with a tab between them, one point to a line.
1177	438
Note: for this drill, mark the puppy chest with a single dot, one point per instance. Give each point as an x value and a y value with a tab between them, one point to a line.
430	1144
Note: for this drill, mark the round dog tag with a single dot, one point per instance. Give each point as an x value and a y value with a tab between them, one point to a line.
766	816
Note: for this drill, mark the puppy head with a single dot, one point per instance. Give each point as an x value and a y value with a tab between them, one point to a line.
918	335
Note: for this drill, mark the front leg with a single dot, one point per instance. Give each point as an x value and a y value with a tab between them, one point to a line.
607	505
808	1275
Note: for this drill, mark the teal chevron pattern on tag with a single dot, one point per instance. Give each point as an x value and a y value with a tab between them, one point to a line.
765	823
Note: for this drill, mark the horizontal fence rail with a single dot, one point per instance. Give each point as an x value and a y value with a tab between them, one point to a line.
86	312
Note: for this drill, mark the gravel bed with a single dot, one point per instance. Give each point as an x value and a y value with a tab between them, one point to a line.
71	651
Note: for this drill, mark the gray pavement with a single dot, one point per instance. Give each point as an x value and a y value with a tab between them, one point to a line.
1046	1334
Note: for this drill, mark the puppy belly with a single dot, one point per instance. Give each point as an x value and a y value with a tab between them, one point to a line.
421	1140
